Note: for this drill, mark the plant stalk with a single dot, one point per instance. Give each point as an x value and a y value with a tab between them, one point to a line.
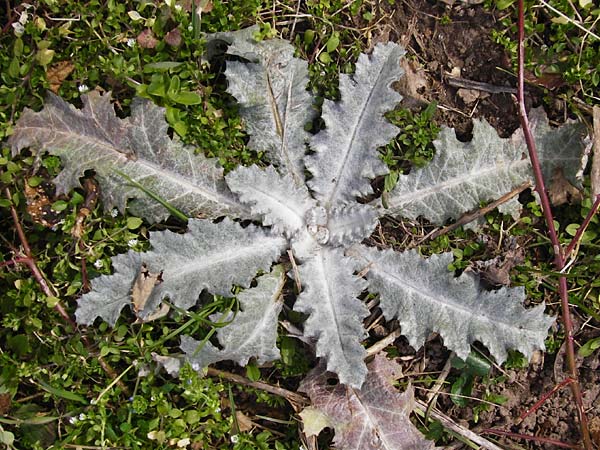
559	258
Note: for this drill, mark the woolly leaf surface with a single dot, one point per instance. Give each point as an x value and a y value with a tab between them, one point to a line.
119	150
329	296
212	256
464	174
425	297
274	102
345	158
276	198
253	330
351	223
110	293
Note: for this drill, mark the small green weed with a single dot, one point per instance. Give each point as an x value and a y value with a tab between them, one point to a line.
561	48
414	145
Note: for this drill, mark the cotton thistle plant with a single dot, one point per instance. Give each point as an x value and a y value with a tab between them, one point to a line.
319	219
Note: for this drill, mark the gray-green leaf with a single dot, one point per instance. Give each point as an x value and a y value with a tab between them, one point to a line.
274	102
464	174
345	158
212	256
425	297
137	148
253	331
329	295
281	202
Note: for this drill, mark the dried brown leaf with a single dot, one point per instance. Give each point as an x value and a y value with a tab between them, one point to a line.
173	37
146	39
142	289
372	417
244	422
561	191
57	73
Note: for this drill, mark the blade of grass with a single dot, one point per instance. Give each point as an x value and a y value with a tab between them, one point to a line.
174	211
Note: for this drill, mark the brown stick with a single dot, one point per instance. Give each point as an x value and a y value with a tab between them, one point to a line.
469	217
292	397
530	438
480	86
545	397
457	428
559	259
582	227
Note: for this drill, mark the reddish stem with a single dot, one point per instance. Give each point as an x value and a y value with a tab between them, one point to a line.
13	262
559	259
530	438
583	227
546	396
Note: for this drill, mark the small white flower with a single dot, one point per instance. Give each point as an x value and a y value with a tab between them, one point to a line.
73	420
24	18
178	7
130	42
190	28
196	366
83	88
234	438
19	29
99	264
217	409
114	212
181	443
81	416
132	242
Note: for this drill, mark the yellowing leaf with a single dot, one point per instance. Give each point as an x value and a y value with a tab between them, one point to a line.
313	421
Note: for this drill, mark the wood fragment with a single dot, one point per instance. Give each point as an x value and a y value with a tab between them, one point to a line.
380	345
469	217
296	400
447	422
480	86
441	379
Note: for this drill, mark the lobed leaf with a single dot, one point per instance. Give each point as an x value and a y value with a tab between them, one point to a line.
251	333
329	296
351	223
464	174
374	417
345	158
137	148
277	199
274	102
212	256
425	297
110	293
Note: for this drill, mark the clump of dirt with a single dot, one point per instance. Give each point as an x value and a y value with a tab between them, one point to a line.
453	47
